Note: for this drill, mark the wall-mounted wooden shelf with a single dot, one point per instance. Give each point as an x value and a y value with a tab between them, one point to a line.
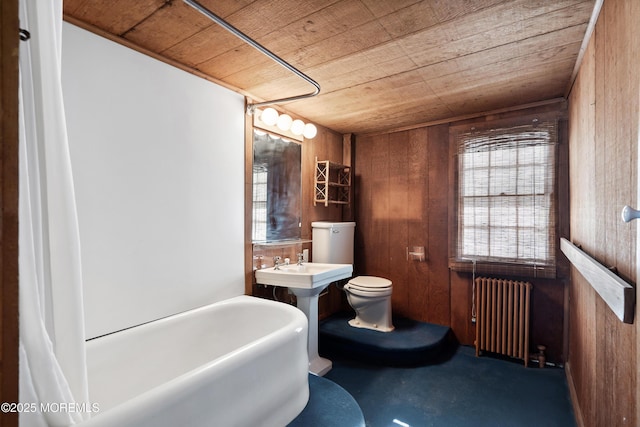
618	294
332	183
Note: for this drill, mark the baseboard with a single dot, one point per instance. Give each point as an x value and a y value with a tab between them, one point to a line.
577	412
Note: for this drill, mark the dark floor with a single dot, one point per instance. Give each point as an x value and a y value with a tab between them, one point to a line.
418	376
329	405
462	391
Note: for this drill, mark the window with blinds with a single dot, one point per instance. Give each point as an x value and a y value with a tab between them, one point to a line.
506	199
260	177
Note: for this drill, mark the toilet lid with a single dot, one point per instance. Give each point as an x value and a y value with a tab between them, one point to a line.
370	282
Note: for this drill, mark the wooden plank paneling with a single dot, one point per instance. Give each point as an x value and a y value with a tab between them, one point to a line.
407	177
249	262
453	9
418	221
438	309
461	308
9	202
172	22
505	54
383	8
461	285
603	158
317	27
618	185
108	15
378	60
326	145
399	196
410	20
362	200
211	42
459	38
582	164
376	249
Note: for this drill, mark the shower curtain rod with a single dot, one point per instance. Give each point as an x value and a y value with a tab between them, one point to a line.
251	107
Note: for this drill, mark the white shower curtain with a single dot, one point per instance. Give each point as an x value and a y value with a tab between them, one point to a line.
52	352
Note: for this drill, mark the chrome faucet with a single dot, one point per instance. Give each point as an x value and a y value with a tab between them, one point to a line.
300	258
276	262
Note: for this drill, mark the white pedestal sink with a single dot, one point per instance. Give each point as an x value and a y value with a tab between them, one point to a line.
306	281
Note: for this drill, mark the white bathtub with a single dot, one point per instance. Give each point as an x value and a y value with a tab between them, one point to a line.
239	362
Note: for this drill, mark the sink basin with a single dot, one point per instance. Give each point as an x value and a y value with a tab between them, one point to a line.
309	275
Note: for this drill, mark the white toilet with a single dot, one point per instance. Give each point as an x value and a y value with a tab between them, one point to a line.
369	296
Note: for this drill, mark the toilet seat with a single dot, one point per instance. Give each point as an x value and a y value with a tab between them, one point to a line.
370	282
369	286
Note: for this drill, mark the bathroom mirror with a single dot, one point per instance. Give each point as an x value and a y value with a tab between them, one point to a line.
277	185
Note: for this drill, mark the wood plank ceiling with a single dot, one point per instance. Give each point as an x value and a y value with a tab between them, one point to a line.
382	64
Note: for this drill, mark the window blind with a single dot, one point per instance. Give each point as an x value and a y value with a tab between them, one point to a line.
260	177
507	201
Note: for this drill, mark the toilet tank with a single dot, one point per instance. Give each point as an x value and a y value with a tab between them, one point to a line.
333	242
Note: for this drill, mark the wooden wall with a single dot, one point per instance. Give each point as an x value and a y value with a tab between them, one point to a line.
327	145
9	204
401	201
404	197
603	354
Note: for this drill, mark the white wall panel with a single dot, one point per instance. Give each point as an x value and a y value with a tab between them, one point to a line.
158	163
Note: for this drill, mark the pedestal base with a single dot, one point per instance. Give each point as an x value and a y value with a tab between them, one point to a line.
308	303
320	366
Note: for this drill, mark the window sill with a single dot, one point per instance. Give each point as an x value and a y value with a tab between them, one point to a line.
502	268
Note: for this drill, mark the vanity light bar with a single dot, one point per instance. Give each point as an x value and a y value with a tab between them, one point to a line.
284	122
270	121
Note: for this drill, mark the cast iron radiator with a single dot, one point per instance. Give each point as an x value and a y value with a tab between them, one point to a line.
502	324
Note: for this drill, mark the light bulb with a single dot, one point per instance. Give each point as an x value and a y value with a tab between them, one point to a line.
310	131
297	127
269	116
284	122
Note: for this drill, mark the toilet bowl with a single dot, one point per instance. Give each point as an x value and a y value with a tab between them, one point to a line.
370	297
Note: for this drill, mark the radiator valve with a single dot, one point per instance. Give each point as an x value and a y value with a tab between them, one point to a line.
542	359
